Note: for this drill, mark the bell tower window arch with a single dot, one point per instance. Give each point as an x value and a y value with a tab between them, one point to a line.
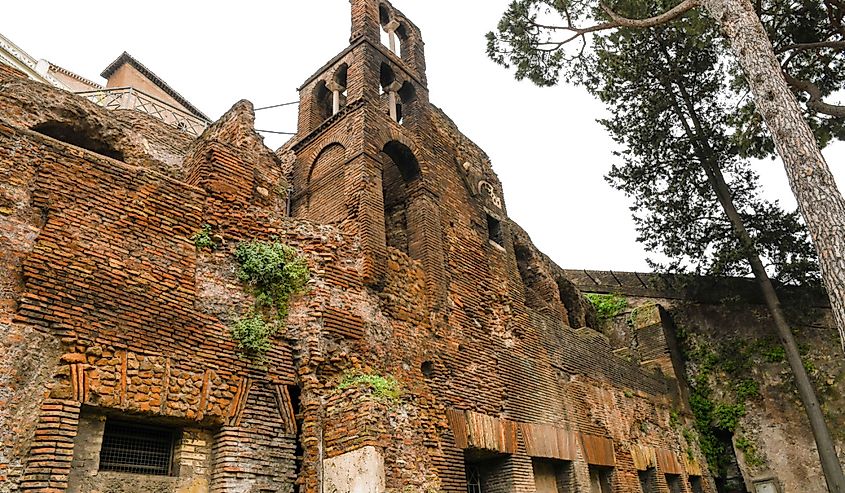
322	101
391	31
338	86
397	93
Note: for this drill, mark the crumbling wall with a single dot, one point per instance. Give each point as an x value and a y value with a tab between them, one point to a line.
720	334
143	140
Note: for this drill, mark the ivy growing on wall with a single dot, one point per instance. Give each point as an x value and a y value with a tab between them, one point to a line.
607	305
717	418
274	272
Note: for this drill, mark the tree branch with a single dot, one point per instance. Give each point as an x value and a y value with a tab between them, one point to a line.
815	103
657	20
811	46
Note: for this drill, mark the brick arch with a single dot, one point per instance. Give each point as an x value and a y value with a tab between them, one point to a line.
407	31
394	134
541	291
326	184
322	101
400	172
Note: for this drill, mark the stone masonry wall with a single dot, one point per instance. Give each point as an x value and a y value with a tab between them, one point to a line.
723	335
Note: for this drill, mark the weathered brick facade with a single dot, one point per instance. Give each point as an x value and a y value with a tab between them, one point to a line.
110	312
718	334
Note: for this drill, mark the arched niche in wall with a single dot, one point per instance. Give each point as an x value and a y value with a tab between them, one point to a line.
405	105
386	77
397	96
80	135
541	291
326	186
576	309
400	170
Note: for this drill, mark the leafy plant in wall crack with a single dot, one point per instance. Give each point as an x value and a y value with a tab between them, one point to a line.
385	388
607	305
274	272
253	334
202	238
749	450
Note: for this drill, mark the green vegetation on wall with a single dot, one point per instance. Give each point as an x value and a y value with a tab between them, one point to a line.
607	305
274	272
253	334
385	388
718	419
202	238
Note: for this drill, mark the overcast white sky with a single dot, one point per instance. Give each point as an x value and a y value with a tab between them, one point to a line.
545	145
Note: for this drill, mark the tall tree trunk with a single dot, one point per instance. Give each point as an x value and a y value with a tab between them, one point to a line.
819	201
698	135
824	441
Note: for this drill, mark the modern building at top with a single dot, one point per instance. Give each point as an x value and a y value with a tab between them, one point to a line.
129	85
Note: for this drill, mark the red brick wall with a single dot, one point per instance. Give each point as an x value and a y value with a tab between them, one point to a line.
105	266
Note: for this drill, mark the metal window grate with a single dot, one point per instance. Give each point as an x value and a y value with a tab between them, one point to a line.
473	479
136	449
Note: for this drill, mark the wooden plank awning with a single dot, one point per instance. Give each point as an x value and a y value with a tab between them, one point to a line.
598	450
644	457
668	462
549	441
480	431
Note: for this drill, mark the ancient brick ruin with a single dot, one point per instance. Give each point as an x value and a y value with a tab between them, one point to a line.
116	326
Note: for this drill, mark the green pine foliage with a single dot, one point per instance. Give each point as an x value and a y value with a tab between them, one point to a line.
677	102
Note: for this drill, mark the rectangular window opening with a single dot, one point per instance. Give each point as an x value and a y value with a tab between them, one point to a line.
695	484
484	470
473	478
648	480
137	449
494	231
674	483
600	480
552	475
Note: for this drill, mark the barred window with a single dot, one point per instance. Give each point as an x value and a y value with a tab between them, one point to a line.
138	449
473	479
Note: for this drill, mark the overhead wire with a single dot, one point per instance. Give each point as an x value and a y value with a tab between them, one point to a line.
275	132
276	106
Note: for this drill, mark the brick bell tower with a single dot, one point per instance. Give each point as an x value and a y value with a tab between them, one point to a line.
363	158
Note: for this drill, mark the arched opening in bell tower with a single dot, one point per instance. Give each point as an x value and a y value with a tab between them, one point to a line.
391	31
400	170
322	101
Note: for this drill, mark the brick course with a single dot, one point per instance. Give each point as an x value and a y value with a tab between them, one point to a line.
102	264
